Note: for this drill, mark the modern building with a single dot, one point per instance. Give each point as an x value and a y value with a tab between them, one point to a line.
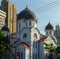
28	44
2	18
57	33
11	16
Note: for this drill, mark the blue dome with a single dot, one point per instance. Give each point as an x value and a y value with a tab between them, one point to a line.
5	28
26	14
49	27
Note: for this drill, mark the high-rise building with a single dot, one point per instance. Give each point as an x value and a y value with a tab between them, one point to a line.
57	33
2	18
11	17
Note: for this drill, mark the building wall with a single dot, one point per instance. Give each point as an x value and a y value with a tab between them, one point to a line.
11	18
57	35
22	23
2	18
31	40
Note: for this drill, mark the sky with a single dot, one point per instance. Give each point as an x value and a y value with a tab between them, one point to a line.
45	11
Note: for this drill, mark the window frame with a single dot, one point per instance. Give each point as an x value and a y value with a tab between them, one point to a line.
25	35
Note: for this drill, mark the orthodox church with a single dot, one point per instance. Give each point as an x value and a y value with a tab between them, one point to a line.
28	33
27	38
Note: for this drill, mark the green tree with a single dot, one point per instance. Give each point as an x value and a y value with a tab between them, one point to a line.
57	50
4	42
48	46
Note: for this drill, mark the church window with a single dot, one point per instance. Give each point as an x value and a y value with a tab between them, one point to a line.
18	54
26	24
35	36
19	25
46	33
50	32
34	56
30	23
34	44
21	55
25	35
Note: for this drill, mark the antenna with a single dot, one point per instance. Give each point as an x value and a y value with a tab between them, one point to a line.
4	0
27	3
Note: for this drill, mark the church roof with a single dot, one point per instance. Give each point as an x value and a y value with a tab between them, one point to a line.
26	14
49	26
5	28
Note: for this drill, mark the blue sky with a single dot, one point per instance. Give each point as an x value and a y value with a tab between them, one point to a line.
52	14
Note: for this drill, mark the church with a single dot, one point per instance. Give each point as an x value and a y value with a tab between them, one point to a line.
28	41
28	33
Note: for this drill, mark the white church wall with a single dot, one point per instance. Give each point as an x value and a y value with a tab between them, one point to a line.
49	32
25	29
50	40
20	49
22	24
27	54
28	37
27	21
33	38
34	31
34	23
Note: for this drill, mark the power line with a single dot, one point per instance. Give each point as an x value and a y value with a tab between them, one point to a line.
48	6
45	25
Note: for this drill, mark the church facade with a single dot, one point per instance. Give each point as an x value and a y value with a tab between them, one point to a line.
28	34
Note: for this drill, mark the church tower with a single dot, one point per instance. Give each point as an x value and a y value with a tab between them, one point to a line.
26	18
49	29
29	34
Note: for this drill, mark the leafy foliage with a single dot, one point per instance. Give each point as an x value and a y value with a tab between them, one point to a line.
58	49
4	41
48	46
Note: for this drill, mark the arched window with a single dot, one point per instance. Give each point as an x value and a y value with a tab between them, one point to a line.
46	33
35	36
24	35
30	23
50	32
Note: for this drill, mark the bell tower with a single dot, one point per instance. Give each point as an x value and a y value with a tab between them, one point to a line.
49	30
